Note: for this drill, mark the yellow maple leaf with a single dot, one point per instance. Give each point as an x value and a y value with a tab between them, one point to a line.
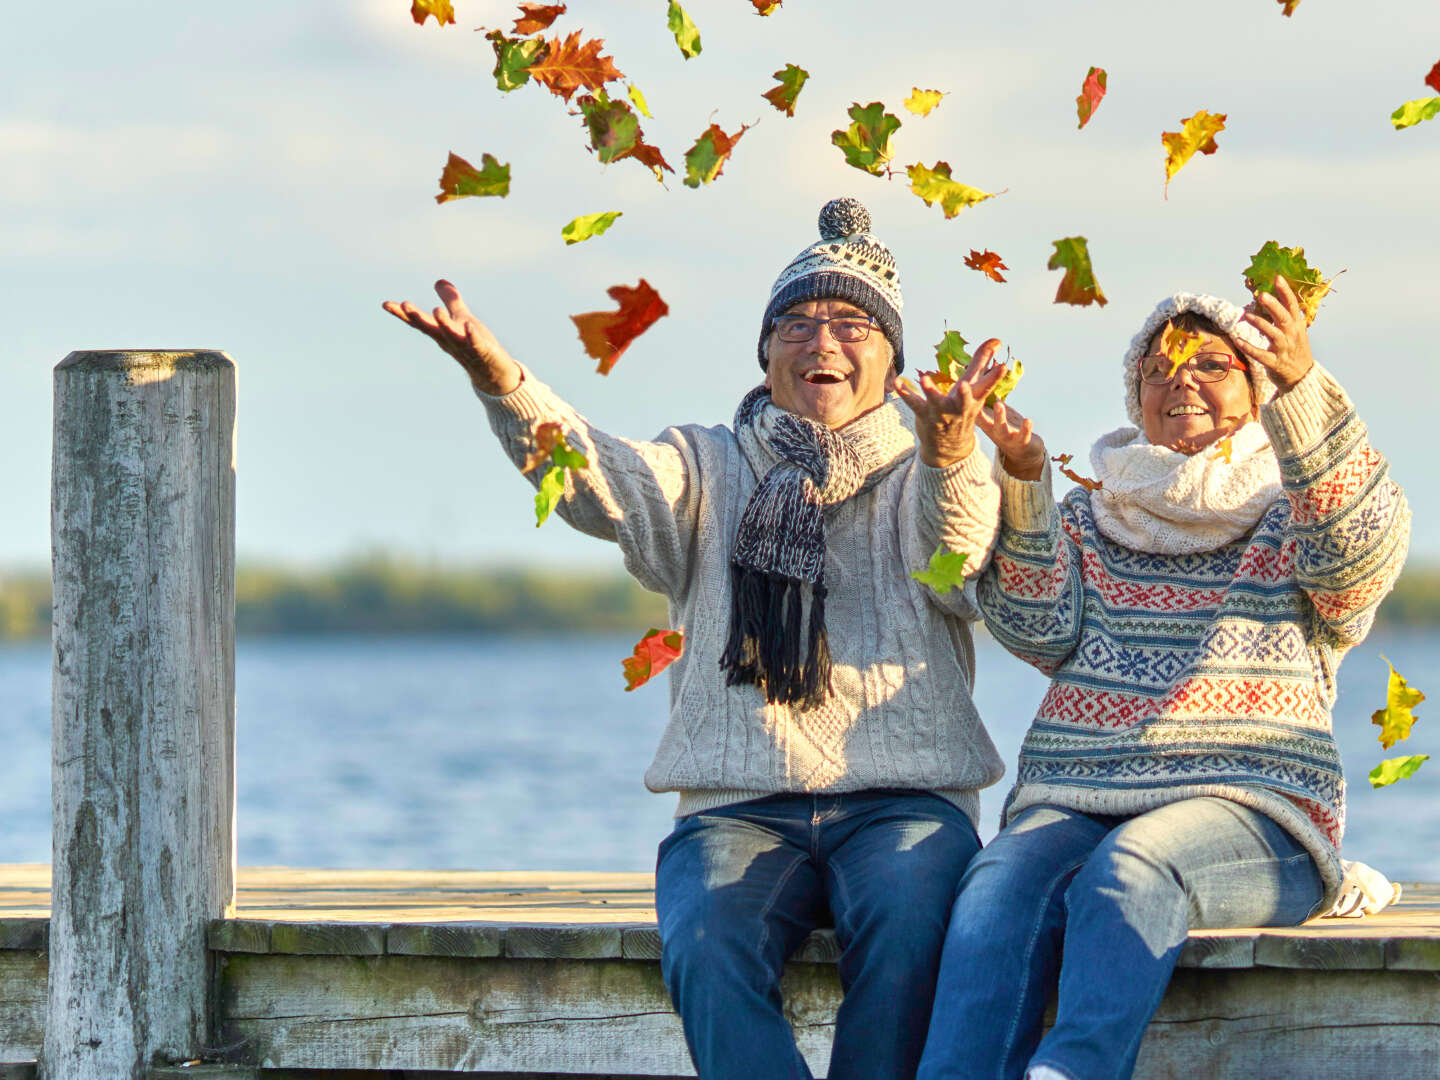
934	185
1396	718
1178	346
923	102
1196	134
1222	450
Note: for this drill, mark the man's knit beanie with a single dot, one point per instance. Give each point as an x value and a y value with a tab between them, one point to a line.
846	263
1225	316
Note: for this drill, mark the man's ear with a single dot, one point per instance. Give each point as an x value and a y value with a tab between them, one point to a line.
890	376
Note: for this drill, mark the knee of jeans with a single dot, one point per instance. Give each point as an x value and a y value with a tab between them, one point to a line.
1132	875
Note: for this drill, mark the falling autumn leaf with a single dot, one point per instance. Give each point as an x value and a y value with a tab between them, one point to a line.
513	56
552	448
866	142
783	97
607	334
651	156
612	126
765	7
654	652
1396	718
1178	346
946	571
1433	79
987	262
1396	768
1222	450
633	92
571	65
1063	460
1196	134
1289	6
461	180
923	102
1413	112
443	11
536	17
1272	261
587	225
1078	286
1013	375
934	185
951	355
1091	91
545	437
706	159
687	36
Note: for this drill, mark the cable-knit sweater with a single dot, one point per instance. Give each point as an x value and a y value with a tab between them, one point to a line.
900	713
1210	673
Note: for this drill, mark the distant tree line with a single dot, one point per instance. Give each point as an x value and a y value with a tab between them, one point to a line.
384	595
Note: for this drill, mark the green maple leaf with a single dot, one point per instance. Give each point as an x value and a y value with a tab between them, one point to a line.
1412	112
587	225
945	572
1395	719
686	35
1078	286
951	356
866	142
552	451
1007	383
552	487
1396	768
1273	261
934	185
461	180
512	57
783	97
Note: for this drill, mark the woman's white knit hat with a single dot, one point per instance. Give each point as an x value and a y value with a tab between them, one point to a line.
1225	315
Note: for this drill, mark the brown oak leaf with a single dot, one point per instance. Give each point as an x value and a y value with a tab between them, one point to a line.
536	17
572	65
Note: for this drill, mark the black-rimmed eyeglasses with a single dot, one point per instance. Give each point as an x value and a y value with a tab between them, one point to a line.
846	328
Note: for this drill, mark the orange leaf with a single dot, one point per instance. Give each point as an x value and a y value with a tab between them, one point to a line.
1178	346
1083	481
1091	91
460	180
536	17
987	262
767	7
607	334
1195	134
570	65
547	435
443	10
1289	6
1433	79
1222	450
654	652
706	159
651	156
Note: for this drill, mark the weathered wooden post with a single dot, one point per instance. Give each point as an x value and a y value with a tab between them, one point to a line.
143	743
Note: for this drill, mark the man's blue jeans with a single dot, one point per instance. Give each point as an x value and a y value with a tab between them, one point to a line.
739	887
1116	896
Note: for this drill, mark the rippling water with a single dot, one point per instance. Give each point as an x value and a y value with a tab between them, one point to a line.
500	753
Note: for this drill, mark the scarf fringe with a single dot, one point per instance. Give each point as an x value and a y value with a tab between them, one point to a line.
764	643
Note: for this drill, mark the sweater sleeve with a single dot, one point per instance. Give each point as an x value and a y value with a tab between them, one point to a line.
957	507
641	495
1031	596
1349	522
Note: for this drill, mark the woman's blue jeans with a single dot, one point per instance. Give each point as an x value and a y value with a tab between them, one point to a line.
1116	896
738	888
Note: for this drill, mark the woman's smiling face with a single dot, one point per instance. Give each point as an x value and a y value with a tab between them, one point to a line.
1186	414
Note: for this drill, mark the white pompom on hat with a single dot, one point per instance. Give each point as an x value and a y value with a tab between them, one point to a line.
1225	316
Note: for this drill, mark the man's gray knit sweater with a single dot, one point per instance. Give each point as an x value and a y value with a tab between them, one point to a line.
900	713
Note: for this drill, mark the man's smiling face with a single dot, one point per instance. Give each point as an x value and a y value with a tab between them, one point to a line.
826	380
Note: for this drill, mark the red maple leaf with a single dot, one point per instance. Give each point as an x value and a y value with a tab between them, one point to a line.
653	654
1433	79
1091	91
607	334
987	262
536	17
572	64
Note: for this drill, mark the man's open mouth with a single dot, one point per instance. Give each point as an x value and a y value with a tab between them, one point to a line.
823	376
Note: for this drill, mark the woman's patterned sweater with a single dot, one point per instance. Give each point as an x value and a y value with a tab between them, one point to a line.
1175	676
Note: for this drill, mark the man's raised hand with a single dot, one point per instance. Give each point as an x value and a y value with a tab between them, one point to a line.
466	338
945	423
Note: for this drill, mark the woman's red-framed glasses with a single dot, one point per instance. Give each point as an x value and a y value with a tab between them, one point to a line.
1206	367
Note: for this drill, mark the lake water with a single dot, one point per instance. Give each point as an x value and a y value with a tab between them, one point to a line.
501	753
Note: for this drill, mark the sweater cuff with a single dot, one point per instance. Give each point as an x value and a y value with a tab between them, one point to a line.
1302	416
1025	505
528	402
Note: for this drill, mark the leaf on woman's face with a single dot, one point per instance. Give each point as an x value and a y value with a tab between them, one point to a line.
512	57
587	225
1091	91
654	652
923	102
1396	768
572	65
1433	79
461	180
783	97
934	185
1007	383
1063	460
687	36
1178	346
1272	261
987	262
1196	135
443	10
536	17
1078	286
1289	6
1413	112
866	142
946	571
706	159
607	334
1395	719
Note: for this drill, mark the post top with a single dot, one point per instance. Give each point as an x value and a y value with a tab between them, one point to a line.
140	359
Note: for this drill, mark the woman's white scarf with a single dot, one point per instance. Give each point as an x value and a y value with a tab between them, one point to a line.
1163	502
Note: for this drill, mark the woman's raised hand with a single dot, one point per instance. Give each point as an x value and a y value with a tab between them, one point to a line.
1282	320
1022	452
466	338
945	422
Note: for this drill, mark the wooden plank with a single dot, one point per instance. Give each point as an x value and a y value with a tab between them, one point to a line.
239	935
327	939
444	939
18	1070
1293	949
640	943
1215	950
563	942
24	974
24	933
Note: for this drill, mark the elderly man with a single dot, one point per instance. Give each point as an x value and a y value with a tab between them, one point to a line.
822	737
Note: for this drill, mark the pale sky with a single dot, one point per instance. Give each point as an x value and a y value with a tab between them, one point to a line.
258	177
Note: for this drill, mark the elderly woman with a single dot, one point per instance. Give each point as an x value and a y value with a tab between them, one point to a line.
1191	611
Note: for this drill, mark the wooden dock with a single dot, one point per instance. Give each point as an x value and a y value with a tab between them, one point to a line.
548	974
